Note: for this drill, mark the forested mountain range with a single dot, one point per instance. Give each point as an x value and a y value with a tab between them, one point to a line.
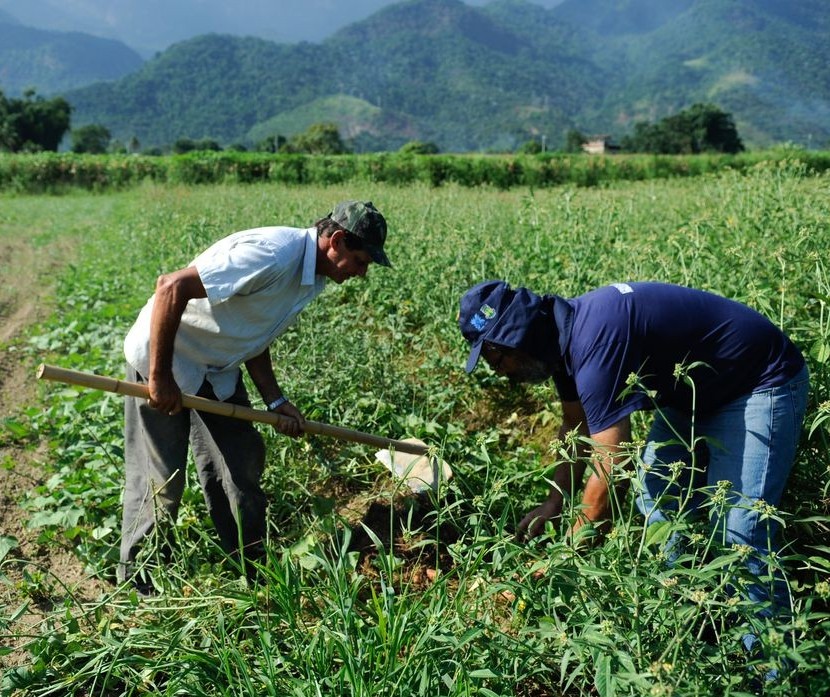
150	26
55	61
489	77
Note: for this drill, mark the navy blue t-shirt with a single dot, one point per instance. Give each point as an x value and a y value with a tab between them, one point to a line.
649	328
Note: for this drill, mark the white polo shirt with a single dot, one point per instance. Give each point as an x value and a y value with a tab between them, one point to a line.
257	281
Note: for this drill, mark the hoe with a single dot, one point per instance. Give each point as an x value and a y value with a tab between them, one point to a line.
408	459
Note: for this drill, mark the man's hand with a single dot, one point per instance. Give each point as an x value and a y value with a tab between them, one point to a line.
165	395
294	424
533	523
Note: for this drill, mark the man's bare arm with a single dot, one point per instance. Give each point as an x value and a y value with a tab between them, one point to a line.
173	292
261	370
596	501
567	477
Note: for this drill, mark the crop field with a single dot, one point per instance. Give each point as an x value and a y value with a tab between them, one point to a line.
368	589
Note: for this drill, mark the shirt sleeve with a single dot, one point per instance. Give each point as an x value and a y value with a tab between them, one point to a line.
602	385
241	266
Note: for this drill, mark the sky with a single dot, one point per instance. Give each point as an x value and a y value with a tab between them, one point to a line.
149	26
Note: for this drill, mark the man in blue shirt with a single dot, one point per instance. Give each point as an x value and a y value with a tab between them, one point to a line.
728	389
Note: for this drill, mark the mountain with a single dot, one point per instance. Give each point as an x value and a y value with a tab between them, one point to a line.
446	71
6	18
151	26
54	62
491	77
765	61
614	18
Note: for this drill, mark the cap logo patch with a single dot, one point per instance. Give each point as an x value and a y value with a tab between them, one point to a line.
484	315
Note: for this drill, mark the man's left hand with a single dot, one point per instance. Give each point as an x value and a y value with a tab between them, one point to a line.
294	424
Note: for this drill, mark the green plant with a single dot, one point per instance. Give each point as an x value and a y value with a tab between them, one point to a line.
365	591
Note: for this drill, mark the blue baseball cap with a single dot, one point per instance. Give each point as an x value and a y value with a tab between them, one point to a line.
494	312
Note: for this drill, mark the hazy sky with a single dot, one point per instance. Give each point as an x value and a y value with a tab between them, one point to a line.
152	25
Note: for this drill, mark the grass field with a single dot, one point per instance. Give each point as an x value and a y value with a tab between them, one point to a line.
371	592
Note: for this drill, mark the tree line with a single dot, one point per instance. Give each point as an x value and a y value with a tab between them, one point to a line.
33	123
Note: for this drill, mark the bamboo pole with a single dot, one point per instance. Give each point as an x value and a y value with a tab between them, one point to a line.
234	411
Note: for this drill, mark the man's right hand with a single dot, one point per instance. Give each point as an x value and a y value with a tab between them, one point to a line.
165	395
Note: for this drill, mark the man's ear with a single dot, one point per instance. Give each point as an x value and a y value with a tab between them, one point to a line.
336	239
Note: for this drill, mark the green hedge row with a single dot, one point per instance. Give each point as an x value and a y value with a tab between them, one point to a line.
53	172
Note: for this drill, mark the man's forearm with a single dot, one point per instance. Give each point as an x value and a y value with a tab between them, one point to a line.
261	371
596	500
173	292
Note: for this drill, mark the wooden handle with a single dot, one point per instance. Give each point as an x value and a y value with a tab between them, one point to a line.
212	406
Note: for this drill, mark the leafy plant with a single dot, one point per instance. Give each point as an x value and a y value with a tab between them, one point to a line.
366	591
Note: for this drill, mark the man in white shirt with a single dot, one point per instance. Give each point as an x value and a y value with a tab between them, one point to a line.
203	322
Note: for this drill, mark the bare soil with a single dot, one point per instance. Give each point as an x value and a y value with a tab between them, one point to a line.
25	299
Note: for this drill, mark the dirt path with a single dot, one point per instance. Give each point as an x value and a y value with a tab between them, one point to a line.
25	287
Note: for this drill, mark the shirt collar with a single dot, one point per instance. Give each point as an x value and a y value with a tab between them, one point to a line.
310	258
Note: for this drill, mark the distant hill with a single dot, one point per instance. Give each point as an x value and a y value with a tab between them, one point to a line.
54	62
6	18
765	61
150	27
614	18
438	70
491	77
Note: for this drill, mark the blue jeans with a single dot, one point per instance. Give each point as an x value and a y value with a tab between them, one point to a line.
749	443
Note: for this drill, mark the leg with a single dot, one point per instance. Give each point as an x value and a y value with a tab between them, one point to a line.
752	444
230	457
671	468
155	456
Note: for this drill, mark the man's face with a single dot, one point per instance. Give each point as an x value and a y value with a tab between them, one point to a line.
345	263
516	365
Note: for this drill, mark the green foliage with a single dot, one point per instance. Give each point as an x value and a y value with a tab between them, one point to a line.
531	147
271	144
318	139
59	172
183	145
701	128
574	141
343	608
489	78
418	147
93	139
32	123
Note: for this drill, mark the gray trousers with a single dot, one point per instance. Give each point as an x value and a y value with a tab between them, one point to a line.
229	456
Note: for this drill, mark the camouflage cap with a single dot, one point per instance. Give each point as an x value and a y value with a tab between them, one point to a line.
363	220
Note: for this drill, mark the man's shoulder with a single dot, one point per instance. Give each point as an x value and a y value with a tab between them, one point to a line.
272	233
273	240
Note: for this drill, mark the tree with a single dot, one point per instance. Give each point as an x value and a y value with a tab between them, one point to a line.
574	140
714	129
419	147
530	147
271	144
701	128
33	123
318	139
8	135
93	139
183	145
